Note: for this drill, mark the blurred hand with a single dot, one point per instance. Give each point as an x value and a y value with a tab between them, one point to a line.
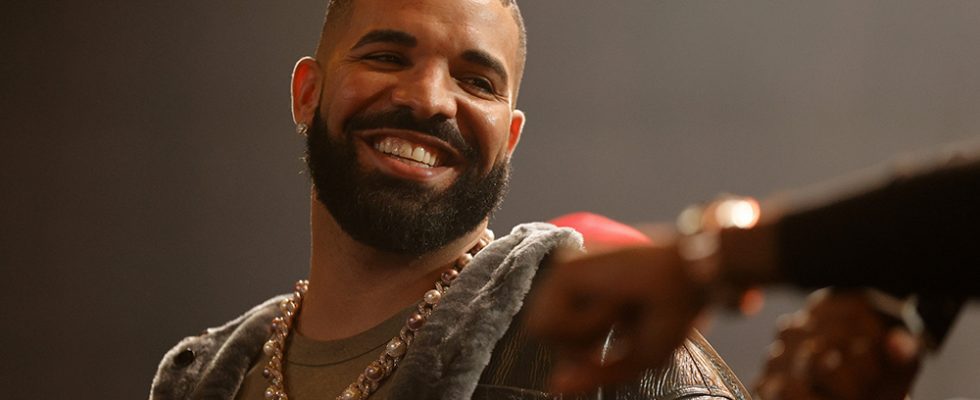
839	347
646	292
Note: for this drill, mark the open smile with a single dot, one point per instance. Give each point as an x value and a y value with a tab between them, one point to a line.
409	154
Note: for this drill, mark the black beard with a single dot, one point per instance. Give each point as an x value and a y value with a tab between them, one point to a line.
397	215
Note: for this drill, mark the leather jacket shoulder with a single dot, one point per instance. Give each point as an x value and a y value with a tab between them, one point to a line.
520	365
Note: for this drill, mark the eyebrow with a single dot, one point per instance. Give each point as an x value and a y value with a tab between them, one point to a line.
485	59
387	36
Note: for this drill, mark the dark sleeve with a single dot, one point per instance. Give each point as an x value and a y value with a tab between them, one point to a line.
918	230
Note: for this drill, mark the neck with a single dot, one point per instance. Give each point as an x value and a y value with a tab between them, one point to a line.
354	287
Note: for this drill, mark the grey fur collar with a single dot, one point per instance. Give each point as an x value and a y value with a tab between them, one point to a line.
213	364
444	362
450	353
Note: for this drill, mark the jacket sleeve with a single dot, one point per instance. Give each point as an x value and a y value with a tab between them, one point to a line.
912	231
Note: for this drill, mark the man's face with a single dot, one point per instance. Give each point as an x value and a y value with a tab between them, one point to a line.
411	143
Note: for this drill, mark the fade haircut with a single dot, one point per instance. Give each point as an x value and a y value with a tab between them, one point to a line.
339	11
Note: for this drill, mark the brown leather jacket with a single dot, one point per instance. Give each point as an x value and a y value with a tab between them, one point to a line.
520	365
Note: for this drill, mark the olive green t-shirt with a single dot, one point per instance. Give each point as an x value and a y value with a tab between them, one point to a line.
316	370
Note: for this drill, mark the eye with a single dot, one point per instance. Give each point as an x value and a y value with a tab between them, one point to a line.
480	84
385	58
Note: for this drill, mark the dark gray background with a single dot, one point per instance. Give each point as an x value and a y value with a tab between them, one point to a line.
151	181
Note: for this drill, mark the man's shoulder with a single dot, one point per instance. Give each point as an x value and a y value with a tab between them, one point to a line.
223	352
695	369
521	363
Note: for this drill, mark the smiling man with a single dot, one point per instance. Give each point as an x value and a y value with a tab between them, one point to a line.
409	111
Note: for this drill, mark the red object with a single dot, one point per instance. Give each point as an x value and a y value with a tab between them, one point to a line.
599	230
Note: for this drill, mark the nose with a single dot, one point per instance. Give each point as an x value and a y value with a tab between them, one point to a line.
427	91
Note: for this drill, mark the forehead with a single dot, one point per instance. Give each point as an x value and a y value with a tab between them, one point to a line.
452	26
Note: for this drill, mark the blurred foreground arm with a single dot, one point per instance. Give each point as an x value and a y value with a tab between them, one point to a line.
649	292
908	227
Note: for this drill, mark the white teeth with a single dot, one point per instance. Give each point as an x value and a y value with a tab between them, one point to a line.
404	149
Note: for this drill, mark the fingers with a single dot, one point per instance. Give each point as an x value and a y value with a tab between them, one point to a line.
839	347
611	361
627	352
577	376
579	300
644	291
570	304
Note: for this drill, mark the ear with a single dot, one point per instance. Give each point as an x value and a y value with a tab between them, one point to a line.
305	90
516	127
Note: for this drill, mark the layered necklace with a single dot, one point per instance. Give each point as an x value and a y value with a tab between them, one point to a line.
378	370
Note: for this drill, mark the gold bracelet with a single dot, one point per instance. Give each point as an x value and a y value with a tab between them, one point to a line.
699	245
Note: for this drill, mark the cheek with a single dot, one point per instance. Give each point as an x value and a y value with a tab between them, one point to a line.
492	119
497	123
354	88
489	127
354	93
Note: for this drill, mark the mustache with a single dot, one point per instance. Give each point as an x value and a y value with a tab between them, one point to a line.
402	118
